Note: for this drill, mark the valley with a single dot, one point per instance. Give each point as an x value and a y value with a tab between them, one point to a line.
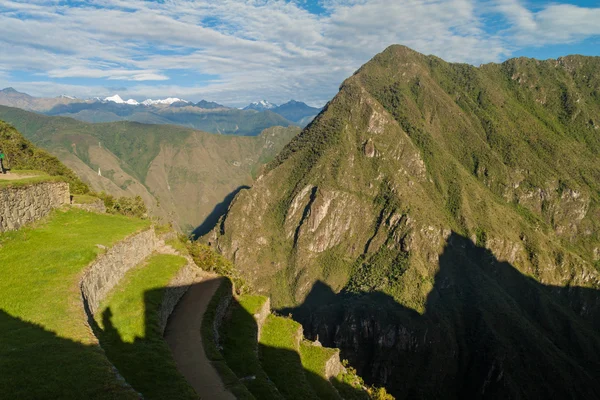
183	175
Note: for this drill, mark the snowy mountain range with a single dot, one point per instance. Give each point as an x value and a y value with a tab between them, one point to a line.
148	102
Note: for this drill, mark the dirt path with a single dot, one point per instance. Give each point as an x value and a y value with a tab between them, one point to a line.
184	338
14	177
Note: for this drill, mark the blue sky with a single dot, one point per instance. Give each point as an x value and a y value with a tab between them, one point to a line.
237	51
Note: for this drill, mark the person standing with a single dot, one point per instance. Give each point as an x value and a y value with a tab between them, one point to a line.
2	170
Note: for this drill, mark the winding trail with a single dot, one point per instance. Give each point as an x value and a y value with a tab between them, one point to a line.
185	340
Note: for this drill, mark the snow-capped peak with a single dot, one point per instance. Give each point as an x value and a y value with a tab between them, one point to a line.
64	96
169	100
260	105
264	104
117	99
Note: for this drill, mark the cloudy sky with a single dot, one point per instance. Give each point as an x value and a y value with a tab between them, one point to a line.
237	51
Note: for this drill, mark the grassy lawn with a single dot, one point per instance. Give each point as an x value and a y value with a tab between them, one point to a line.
313	360
280	358
84	199
46	348
239	341
130	334
15	180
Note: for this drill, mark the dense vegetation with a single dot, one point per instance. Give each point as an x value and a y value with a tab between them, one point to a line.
21	154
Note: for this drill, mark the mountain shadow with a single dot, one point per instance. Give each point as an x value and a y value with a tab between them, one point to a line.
147	364
274	372
488	332
35	363
213	218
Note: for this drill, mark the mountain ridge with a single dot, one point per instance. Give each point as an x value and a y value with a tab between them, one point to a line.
413	152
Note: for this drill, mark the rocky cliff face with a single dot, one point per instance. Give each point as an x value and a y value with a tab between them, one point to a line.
412	162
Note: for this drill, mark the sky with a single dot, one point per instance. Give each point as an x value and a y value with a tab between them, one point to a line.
238	51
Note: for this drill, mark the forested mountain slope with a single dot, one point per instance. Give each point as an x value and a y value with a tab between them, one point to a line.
441	223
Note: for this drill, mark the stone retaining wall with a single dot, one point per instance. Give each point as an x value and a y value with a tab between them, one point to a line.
24	204
220	312
333	366
109	268
174	291
262	314
97	206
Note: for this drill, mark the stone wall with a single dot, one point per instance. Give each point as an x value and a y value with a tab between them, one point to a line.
175	290
24	204
220	312
109	268
262	314
97	206
333	366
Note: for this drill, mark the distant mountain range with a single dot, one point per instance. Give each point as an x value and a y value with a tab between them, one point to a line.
204	115
296	111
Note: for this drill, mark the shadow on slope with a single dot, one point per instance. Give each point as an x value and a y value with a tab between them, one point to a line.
274	372
37	364
147	364
213	218
488	332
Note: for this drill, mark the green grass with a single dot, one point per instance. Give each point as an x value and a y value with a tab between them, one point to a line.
239	341
313	360
280	359
229	378
46	349
84	199
130	334
30	181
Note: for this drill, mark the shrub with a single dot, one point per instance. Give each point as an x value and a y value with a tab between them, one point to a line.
209	260
129	206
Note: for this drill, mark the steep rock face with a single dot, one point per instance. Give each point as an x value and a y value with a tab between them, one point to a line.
410	154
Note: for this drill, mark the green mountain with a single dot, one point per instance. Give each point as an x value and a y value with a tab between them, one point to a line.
183	175
440	224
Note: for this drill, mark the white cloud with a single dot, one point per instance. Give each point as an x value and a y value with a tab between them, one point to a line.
553	24
110	74
272	49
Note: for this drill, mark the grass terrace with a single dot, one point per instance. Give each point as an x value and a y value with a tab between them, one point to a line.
128	322
280	359
239	341
314	359
43	333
